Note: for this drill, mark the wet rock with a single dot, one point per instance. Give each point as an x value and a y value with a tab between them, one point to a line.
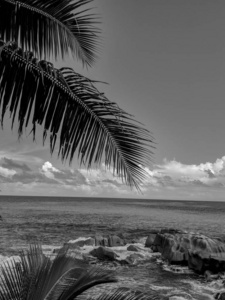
207	254
104	253
127	261
114	241
131	259
80	242
172	231
209	276
199	252
134	257
101	241
150	239
109	241
200	262
132	248
220	296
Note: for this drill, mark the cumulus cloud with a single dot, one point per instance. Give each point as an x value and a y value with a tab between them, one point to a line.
171	179
11	164
94	176
48	170
174	173
6	172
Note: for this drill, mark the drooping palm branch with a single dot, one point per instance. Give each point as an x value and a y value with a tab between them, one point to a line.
38	277
124	293
50	27
69	106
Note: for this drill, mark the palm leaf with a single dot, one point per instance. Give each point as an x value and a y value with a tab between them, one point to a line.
68	289
126	294
37	277
50	27
68	106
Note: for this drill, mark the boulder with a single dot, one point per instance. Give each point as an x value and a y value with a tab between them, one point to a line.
200	261
209	276
132	248
173	246
80	242
172	231
220	296
207	254
199	252
151	237
109	241
103	253
101	241
114	241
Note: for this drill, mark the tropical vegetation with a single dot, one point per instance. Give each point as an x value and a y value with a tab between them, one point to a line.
78	118
37	277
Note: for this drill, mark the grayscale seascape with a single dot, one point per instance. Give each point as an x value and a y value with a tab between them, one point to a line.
53	221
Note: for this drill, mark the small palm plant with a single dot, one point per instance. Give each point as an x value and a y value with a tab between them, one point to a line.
37	277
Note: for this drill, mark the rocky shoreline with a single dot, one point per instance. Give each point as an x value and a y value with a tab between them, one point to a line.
200	254
176	249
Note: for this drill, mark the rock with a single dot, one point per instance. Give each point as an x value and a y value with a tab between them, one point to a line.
80	242
208	254
220	296
209	276
101	241
104	253
150	239
114	240
135	257
132	248
126	261
200	262
131	259
199	252
109	241
171	231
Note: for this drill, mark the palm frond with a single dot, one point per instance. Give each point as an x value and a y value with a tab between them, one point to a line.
41	274
68	289
125	294
51	27
40	278
68	106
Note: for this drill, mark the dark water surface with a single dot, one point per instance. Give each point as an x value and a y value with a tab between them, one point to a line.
53	221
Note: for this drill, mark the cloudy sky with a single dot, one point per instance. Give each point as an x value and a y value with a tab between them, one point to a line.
164	61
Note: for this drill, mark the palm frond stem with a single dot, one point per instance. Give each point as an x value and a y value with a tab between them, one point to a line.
86	117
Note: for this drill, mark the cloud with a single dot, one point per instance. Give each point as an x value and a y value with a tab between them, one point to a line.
96	176
176	174
171	179
4	172
20	157
11	164
48	170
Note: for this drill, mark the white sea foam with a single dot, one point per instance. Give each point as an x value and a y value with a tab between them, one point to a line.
205	289
177	269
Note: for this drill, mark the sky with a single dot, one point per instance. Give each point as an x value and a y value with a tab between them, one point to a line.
164	61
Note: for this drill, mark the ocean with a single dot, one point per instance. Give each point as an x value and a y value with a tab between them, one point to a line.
53	221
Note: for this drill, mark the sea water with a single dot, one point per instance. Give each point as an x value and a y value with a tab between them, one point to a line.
52	221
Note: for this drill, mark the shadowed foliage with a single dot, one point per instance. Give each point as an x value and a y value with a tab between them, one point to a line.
78	118
38	277
51	27
68	106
